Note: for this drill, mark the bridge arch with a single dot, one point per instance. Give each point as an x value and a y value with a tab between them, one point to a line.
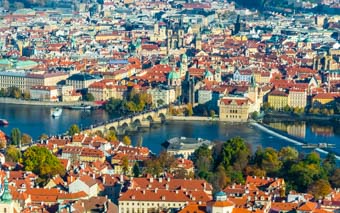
122	128
150	118
162	116
136	123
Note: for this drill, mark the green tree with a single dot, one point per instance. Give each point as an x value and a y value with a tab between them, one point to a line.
15	137
320	188
203	161
13	154
40	161
3	92
212	113
136	170
89	97
235	151
74	129
113	105
127	140
270	161
26	139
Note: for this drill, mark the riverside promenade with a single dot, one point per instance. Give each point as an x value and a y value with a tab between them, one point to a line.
44	103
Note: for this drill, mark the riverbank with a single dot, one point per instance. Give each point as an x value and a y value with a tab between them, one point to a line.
283	116
44	103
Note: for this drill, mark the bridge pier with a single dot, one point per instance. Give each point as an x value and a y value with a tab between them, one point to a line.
157	121
145	124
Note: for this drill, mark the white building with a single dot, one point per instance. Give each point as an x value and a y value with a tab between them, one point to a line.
84	183
162	95
44	93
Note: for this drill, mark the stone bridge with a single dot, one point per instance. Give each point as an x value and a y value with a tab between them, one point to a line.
131	122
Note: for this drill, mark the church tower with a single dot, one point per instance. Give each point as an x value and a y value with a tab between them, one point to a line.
198	41
156	28
183	65
6	203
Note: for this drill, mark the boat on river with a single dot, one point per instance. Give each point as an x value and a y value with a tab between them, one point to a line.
318	145
57	112
3	122
81	107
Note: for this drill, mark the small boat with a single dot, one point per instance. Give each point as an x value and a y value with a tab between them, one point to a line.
81	107
3	122
57	112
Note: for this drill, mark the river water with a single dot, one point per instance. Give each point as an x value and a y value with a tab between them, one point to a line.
35	120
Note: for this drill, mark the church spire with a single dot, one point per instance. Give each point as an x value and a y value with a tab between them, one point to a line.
6	196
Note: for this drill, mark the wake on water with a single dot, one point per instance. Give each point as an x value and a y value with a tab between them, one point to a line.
263	128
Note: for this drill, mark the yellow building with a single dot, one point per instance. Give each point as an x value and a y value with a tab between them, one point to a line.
324	98
234	109
91	155
278	99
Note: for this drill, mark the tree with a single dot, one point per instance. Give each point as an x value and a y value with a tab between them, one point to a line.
26	95
231	152
270	161
127	140
113	105
74	129
3	92
15	137
26	139
288	154
125	165
13	154
111	136
335	178
99	133
212	113
14	92
43	136
320	188
40	161
136	170
89	97
189	111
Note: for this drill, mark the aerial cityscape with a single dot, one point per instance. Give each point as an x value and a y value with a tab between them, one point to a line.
181	106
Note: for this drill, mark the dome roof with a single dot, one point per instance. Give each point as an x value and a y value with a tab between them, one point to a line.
207	74
173	75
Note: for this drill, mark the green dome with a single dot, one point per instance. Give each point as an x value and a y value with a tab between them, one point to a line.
207	74
173	75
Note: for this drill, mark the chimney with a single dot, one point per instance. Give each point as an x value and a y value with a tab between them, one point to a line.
151	180
168	179
167	186
104	177
160	180
93	176
156	189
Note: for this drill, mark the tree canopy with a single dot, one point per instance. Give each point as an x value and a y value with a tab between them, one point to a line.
42	162
74	129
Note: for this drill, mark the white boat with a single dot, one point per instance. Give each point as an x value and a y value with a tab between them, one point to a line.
81	107
57	112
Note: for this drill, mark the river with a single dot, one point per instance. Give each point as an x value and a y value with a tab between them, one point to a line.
35	120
